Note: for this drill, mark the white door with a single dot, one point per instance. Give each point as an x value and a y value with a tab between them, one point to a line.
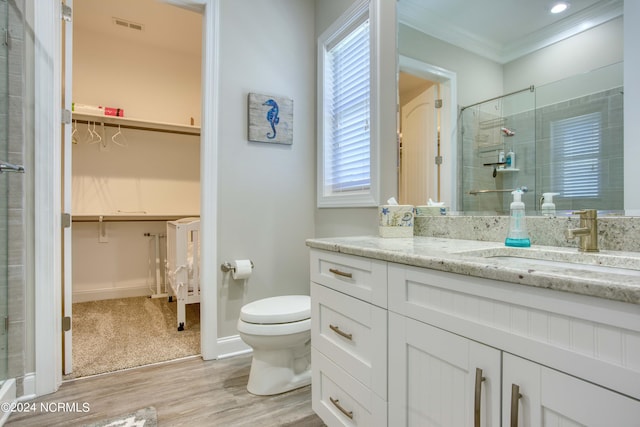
535	395
417	177
437	378
67	295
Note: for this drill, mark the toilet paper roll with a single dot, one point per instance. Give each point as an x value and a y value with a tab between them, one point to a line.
241	269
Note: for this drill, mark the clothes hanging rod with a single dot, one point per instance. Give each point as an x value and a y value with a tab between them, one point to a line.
530	89
126	217
148	128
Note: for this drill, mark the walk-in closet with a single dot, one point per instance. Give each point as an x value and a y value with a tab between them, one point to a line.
135	164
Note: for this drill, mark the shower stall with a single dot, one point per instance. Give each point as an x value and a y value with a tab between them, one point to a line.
4	192
16	196
498	152
564	137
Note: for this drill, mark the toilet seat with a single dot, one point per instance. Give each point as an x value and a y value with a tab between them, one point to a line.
275	329
277	310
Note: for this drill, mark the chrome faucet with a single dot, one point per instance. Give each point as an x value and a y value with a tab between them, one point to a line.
588	231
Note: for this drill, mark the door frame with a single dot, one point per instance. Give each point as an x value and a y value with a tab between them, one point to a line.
48	287
449	121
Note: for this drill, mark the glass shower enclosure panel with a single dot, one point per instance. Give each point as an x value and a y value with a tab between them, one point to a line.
498	153
4	189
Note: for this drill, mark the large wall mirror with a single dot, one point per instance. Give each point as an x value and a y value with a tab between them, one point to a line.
478	83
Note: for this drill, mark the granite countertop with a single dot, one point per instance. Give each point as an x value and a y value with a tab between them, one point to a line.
469	257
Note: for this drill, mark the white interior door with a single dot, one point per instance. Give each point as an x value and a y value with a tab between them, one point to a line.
417	178
67	294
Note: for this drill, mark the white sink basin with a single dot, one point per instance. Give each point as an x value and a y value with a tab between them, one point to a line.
625	264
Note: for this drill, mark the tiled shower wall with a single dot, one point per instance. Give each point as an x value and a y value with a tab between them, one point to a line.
4	98
487	129
14	187
610	105
482	139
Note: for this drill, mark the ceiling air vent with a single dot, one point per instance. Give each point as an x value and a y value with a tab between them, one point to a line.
128	24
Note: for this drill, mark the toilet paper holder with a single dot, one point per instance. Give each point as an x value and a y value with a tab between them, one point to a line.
227	267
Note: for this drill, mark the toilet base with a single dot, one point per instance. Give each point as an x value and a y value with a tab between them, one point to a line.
278	371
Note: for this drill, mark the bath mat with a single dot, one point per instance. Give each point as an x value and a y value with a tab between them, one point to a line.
143	417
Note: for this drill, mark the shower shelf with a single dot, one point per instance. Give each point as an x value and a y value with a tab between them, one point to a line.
129	123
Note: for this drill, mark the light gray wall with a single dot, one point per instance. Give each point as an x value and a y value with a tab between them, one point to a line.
589	50
364	221
267	191
477	78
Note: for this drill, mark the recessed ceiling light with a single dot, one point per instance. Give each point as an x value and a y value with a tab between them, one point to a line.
559	7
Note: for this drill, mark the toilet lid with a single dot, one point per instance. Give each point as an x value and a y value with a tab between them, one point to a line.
283	309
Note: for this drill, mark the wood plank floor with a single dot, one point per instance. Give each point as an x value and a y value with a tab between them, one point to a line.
187	392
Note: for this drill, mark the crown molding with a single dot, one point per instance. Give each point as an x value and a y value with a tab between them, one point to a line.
446	30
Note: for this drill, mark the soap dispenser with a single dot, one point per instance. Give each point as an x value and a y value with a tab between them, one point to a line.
548	207
517	235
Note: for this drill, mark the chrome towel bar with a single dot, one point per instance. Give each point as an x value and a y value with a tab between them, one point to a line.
476	192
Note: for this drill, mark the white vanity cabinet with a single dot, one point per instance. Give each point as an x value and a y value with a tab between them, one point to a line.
459	347
437	378
349	339
534	395
443	327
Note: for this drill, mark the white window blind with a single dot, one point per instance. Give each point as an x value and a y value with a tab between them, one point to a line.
347	141
577	141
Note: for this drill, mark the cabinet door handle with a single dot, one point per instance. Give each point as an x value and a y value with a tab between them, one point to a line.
478	398
337	404
515	397
339	332
341	273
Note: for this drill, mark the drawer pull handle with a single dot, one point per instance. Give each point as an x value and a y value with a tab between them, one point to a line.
341	273
478	397
515	397
337	404
339	332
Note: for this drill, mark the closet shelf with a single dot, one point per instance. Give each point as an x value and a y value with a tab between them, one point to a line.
128	217
128	123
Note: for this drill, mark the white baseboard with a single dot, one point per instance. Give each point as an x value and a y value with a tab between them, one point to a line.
111	293
28	387
232	346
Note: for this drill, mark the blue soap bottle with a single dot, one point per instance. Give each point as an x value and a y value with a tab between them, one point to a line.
517	235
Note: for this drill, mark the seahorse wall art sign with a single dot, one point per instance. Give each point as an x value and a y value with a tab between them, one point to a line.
270	119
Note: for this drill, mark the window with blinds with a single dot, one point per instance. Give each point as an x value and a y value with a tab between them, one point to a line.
348	95
346	141
577	141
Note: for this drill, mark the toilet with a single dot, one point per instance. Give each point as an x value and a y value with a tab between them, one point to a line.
279	331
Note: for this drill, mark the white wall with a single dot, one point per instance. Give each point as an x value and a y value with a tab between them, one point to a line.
148	82
267	191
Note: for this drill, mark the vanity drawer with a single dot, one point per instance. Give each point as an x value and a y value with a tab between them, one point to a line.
360	277
341	400
353	334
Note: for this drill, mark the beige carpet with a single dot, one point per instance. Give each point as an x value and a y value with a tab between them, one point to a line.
111	335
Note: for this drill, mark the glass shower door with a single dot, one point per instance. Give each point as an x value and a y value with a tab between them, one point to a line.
4	188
